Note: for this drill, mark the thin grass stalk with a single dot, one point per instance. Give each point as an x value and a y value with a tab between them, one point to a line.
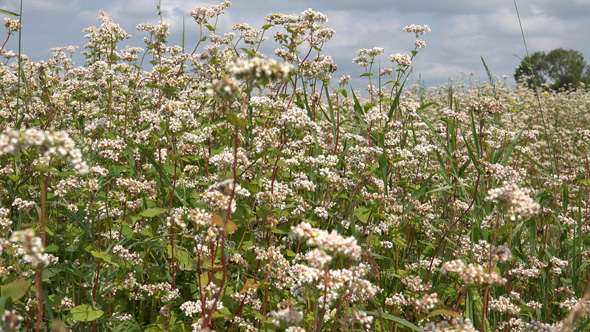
548	135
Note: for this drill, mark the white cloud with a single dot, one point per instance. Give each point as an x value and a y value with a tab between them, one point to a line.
41	10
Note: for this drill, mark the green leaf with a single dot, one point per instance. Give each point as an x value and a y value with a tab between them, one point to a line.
181	256
511	147
443	188
331	112
396	319
395	104
502	229
540	167
284	230
85	313
5	304
583	325
153	212
6	12
362	213
104	256
444	312
224	312
230	226
162	174
16	289
51	248
564	196
358	108
474	134
235	121
247	51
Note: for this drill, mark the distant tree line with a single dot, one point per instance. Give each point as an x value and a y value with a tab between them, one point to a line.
557	70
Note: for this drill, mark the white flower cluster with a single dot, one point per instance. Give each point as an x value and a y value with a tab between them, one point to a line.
321	212
287	316
160	29
353	282
11	321
512	200
101	38
225	159
319	68
4	220
536	326
275	193
415	283
226	88
135	187
330	241
350	281
126	255
317	258
66	302
455	325
191	308
426	303
361	318
486	106
375	115
313	17
49	143
503	304
302	276
203	14
297	118
420	43
403	60
22	204
11	25
218	195
260	69
472	273
558	262
524	273
499	172
30	247
365	53
301	181
294	329
418	29
397	300
372	52
176	217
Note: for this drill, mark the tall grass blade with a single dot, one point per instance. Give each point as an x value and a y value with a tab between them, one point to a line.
396	319
6	12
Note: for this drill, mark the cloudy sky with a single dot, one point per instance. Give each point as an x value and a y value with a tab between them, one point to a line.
462	30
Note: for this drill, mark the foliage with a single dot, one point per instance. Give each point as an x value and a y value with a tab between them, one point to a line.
156	190
560	69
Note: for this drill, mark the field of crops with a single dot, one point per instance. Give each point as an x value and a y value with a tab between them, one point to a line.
163	189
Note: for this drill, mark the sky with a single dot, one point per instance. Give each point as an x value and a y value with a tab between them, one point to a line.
463	31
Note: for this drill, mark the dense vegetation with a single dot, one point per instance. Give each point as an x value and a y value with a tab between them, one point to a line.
153	189
557	70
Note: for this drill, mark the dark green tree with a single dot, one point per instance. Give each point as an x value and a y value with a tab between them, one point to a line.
559	69
532	68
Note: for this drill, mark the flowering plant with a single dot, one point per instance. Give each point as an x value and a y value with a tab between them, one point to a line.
224	190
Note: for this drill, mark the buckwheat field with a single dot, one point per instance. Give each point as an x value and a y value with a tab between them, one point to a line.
214	188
